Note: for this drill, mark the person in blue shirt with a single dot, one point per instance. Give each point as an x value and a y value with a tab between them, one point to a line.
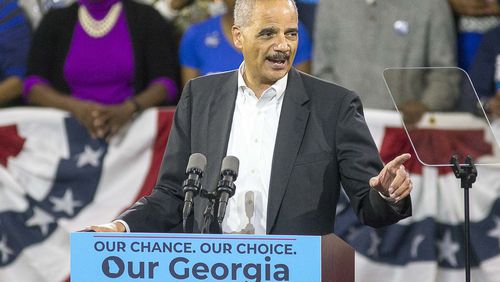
474	19
307	14
207	47
485	72
15	32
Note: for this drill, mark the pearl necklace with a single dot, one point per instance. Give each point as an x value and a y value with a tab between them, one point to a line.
95	28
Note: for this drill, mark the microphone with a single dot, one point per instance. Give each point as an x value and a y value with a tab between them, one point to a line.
192	185
226	187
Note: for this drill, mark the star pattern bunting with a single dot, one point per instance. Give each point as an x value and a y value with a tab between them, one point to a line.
426	239
75	185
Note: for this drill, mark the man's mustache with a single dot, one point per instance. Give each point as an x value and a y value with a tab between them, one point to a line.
279	56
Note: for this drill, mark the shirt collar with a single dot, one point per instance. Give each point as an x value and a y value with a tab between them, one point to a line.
279	86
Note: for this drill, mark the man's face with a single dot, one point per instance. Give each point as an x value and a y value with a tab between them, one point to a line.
269	41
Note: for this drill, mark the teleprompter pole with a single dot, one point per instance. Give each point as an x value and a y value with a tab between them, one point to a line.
467	174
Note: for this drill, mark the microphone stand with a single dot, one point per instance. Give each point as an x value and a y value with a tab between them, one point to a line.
193	186
467	174
209	213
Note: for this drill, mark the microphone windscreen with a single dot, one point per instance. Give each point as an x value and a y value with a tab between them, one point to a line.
196	161
230	163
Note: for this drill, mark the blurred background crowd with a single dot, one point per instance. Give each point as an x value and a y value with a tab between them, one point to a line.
106	60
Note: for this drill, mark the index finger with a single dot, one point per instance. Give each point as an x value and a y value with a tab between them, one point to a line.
399	160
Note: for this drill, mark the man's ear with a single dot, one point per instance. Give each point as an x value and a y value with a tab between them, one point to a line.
237	37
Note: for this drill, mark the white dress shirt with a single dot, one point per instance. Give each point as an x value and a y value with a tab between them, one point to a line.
252	138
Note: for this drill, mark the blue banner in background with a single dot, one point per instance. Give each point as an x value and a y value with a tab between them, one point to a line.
194	257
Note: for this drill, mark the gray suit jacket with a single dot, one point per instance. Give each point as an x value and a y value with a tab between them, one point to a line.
322	141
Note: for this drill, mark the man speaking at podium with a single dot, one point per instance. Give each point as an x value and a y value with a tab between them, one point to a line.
298	139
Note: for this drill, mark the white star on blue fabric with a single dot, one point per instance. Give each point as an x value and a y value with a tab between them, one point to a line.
415	244
65	203
495	232
447	249
41	219
89	157
375	242
4	249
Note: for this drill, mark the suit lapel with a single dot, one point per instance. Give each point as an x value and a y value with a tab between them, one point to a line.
291	129
219	121
220	117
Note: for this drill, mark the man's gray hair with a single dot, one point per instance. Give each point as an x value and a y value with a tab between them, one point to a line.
243	10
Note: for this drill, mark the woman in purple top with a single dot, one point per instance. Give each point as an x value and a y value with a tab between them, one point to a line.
103	61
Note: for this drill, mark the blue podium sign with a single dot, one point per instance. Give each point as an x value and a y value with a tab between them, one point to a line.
194	257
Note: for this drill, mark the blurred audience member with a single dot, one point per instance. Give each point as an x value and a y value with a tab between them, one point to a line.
474	18
307	14
485	72
35	9
14	45
208	47
475	7
190	12
165	8
356	40
103	61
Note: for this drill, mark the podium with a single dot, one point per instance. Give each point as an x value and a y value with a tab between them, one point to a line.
209	257
337	260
